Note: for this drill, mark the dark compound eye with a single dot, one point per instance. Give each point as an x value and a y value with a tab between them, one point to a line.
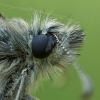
42	45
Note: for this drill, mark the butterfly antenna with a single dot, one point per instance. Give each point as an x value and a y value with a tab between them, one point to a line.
23	76
86	81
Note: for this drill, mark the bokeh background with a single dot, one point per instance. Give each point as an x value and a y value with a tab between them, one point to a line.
87	14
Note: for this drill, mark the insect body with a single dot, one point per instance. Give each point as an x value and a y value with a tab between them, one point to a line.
26	50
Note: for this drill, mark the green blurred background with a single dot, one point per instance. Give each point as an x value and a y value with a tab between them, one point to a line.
87	14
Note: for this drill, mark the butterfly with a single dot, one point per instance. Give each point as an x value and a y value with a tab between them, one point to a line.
42	47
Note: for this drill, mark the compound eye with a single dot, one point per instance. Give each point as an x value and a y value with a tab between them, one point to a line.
42	46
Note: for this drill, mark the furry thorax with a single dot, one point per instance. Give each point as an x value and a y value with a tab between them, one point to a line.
18	66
